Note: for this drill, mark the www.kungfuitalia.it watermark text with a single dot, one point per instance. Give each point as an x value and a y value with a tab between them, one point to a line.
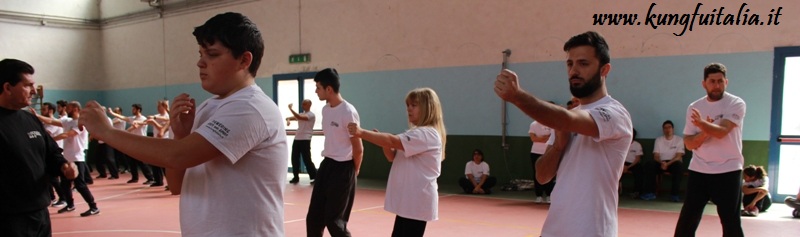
701	16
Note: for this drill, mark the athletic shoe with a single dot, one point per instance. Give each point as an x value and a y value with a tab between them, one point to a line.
113	177
133	181
66	209
312	182
91	212
148	182
156	184
547	199
294	180
59	204
538	200
101	177
648	196
675	198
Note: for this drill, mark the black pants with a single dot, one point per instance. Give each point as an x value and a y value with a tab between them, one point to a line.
675	170
80	185
332	199
303	147
105	160
539	189
56	183
638	176
724	189
133	164
762	204
35	223
122	159
404	227
468	187
158	175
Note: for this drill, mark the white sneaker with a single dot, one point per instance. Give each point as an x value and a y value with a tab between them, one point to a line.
547	199
538	200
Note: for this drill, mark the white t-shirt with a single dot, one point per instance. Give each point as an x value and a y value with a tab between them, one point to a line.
412	191
241	192
305	129
540	130
668	148
334	125
764	182
119	123
142	130
168	134
633	151
477	170
591	165
53	131
74	146
716	156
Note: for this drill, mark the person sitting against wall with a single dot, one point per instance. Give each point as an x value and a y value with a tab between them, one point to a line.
668	155
755	190
477	179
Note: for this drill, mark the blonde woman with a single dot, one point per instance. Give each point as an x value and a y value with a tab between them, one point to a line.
416	156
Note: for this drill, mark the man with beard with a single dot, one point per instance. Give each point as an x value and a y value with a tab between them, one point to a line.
591	141
713	132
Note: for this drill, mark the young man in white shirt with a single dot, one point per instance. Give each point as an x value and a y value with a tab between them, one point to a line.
539	135
335	186
590	145
668	155
228	159
76	140
138	127
476	179
302	141
713	132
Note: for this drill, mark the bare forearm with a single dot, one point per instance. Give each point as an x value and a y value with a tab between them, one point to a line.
358	153
389	153
694	141
547	165
175	180
159	152
384	140
714	130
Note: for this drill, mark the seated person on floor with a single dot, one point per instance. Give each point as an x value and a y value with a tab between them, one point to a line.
756	191
477	180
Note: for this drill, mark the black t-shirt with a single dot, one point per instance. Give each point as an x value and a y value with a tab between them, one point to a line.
28	158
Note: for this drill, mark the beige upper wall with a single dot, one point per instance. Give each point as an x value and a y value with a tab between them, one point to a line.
367	35
81	9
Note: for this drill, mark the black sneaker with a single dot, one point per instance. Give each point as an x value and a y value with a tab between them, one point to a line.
91	212
66	209
148	182
59	204
101	177
156	184
113	177
294	180
133	181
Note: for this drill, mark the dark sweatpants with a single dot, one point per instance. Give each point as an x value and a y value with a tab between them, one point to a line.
724	189
303	147
332	198
80	186
405	227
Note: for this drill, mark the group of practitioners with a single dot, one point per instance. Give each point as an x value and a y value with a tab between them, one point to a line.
238	137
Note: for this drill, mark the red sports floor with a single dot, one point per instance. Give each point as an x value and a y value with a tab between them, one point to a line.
138	210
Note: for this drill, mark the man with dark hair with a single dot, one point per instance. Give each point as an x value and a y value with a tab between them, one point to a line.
139	127
335	186
591	141
228	159
302	141
668	155
713	132
30	156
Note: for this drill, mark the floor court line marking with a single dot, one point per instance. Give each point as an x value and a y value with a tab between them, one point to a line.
117	231
359	210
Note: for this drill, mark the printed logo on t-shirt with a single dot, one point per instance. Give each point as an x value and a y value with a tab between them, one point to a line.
736	117
334	124
34	134
718	117
218	128
604	114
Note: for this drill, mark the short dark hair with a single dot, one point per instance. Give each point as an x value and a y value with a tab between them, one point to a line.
11	71
479	152
236	32
715	68
668	122
49	106
328	77
62	103
569	102
594	39
137	106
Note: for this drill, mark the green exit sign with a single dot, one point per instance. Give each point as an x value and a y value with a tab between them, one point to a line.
300	58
